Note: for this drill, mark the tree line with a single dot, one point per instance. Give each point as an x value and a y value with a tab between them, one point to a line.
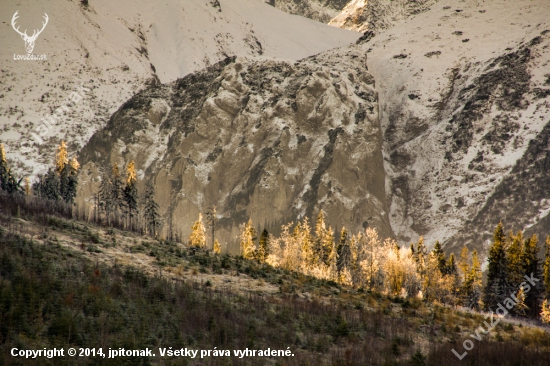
116	204
58	184
515	267
518	278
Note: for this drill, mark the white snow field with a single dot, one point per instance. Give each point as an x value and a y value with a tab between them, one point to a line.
115	48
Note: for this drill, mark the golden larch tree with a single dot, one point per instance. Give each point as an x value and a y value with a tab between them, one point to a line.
62	157
217	247
197	238
248	249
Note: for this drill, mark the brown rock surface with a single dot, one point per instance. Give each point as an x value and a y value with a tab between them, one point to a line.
269	140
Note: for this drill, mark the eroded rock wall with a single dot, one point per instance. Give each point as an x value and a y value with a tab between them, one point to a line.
269	140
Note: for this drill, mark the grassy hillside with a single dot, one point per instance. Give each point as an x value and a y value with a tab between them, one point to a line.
65	283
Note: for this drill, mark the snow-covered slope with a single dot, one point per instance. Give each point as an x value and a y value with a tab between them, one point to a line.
464	89
115	48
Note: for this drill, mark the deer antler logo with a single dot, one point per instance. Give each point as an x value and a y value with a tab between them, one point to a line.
29	41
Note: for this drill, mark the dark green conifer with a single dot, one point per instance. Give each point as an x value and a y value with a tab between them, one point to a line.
150	211
263	246
531	269
440	255
497	288
343	251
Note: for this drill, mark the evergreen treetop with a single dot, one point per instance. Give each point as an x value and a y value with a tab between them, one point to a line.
150	210
263	246
440	256
497	288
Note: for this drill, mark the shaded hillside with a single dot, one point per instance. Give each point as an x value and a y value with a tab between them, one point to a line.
67	283
520	200
460	104
266	140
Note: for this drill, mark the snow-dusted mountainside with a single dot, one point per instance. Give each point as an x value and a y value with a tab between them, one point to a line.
464	93
270	140
115	48
378	15
445	134
320	10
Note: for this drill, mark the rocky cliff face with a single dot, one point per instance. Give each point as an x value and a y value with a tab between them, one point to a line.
355	16
321	11
270	140
378	15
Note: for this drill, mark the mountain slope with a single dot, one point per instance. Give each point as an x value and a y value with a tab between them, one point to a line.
269	140
378	15
461	101
115	48
319	10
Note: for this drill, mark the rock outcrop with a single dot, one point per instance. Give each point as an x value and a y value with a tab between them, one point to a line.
268	140
378	15
355	16
321	11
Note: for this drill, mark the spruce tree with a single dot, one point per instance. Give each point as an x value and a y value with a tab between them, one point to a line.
531	267
514	260
263	246
130	193
440	255
69	181
329	249
150	211
450	266
106	203
197	238
117	192
320	235
496	289
48	186
343	251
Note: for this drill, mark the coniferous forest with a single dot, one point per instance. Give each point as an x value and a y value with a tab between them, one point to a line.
370	296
